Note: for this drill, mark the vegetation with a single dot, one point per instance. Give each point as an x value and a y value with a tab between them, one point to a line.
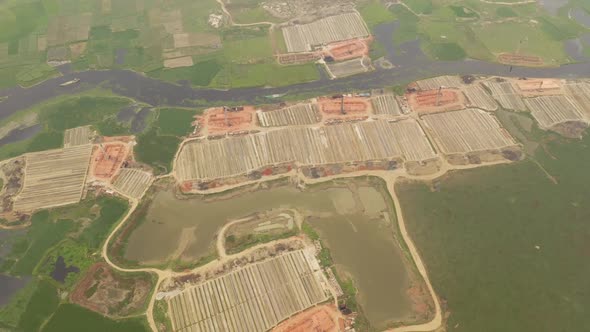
445	51
175	121
509	250
235	244
374	13
42	304
157	150
70	317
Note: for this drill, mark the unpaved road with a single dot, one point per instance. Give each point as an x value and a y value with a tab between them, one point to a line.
390	177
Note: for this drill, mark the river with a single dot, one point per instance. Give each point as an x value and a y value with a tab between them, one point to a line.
409	62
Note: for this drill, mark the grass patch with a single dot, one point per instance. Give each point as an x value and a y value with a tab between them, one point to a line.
175	121
375	13
479	234
420	6
70	317
234	245
445	51
42	304
505	12
10	314
463	12
112	210
264	74
408	25
200	74
157	150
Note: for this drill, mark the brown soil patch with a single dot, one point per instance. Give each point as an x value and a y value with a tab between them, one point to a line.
349	49
432	101
107	159
77	49
220	121
338	109
323	318
520	60
185	61
538	87
104	291
298	58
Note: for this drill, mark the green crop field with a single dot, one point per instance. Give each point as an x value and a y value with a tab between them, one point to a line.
505	246
175	121
70	317
157	150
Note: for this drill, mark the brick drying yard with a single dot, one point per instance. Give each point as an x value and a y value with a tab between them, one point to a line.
505	94
300	114
254	298
107	159
385	105
465	131
437	100
363	141
303	37
132	182
77	136
553	110
53	178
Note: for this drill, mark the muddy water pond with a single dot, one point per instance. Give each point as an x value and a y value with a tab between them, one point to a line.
352	218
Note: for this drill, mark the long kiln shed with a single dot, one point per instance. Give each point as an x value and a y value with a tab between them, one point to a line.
302	146
304	37
465	131
53	178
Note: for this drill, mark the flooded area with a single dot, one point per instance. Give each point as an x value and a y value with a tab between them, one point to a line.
9	286
135	116
20	134
61	270
352	218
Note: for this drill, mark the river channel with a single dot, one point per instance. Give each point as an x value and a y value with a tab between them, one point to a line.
409	63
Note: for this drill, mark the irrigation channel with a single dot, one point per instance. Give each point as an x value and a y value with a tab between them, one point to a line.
409	64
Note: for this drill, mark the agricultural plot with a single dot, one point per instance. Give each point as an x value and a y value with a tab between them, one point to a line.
552	110
465	131
254	298
478	97
349	67
304	37
53	178
349	142
62	30
301	114
505	94
441	81
385	105
132	182
77	136
581	93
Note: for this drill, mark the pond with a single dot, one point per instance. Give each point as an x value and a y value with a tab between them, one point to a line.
353	218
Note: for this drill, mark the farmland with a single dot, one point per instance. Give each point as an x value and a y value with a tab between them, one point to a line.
53	178
277	288
490	237
466	131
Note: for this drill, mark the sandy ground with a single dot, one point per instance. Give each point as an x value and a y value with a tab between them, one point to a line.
321	318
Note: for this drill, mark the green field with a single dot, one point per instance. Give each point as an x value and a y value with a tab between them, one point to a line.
175	121
70	317
505	246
